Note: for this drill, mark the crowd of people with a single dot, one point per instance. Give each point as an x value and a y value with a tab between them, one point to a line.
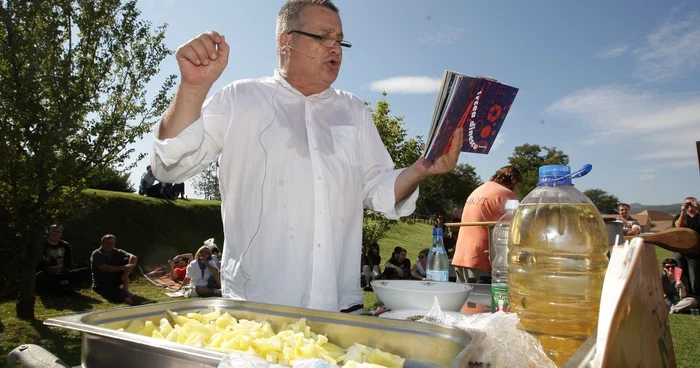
110	269
152	187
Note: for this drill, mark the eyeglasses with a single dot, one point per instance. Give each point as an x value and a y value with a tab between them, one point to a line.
325	40
668	267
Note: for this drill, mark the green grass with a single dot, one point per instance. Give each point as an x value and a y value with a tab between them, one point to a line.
64	343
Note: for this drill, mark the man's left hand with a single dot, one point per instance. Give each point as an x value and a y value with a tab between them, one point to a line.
446	162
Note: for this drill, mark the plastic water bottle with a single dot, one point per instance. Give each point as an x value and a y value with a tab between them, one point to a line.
437	264
499	258
557	259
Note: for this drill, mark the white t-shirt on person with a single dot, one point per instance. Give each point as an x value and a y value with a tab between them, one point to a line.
197	277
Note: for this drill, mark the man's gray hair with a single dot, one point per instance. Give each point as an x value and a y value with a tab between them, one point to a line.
290	13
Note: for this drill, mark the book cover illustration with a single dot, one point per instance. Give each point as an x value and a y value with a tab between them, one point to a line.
477	104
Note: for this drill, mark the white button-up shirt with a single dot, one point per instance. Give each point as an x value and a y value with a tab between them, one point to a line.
295	173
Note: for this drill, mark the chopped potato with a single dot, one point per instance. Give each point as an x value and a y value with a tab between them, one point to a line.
221	332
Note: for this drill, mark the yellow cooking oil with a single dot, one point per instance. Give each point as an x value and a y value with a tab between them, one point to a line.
556	265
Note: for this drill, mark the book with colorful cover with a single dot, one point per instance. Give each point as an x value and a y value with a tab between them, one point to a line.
478	104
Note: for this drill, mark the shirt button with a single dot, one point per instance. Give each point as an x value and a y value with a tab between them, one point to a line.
319	177
319	245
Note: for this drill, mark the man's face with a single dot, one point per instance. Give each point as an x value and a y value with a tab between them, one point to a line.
691	206
179	263
624	211
108	245
56	233
321	70
402	256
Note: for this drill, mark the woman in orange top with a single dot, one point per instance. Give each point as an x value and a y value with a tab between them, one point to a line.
485	203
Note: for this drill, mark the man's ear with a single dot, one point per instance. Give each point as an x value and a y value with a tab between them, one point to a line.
284	38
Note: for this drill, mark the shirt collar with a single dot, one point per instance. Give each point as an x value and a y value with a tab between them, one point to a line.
279	78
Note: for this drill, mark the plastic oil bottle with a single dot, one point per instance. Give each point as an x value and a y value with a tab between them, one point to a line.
557	261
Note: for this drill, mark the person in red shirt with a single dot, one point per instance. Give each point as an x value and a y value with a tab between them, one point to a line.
178	266
485	203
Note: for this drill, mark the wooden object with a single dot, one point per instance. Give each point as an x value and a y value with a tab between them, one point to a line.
680	239
633	327
484	223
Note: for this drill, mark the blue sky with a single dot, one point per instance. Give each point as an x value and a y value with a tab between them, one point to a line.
614	84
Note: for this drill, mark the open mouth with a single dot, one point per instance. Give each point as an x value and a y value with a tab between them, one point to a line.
334	64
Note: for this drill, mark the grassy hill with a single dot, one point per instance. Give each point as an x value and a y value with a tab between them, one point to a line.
673	209
153	229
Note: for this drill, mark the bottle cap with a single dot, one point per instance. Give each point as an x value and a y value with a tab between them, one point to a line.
550	173
561	173
512	204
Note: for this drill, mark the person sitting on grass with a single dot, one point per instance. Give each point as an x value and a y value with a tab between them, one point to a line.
55	272
203	274
418	270
215	252
675	293
397	267
111	268
370	266
178	266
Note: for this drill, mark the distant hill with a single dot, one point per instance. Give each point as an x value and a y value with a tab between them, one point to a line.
668	208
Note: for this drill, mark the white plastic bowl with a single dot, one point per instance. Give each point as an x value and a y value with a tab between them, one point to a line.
410	294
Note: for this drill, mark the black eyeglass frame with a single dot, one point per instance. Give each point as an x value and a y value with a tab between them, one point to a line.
342	43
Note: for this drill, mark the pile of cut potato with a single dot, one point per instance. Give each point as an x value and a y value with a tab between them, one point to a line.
221	332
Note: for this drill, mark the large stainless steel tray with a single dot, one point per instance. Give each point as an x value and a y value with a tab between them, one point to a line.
423	345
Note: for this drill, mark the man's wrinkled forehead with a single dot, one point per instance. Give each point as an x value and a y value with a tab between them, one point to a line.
321	20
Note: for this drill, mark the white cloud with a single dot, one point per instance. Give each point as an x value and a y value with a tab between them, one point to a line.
666	125
671	51
444	35
500	139
407	84
612	52
646	177
677	164
648	170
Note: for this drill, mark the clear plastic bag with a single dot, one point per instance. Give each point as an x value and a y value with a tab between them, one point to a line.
504	345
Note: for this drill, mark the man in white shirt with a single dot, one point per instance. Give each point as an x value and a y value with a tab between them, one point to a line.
298	162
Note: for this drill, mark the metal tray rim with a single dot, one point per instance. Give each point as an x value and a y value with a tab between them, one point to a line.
76	322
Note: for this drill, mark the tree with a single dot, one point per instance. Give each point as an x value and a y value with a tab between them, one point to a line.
528	158
440	194
206	183
404	152
606	203
374	227
113	180
73	78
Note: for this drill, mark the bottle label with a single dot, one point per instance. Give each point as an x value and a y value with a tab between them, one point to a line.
499	298
436	275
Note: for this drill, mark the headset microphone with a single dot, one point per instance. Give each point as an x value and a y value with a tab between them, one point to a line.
307	55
